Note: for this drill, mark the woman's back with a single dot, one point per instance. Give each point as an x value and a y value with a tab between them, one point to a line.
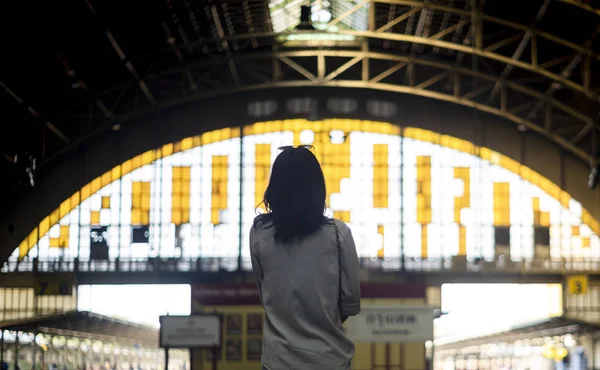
299	283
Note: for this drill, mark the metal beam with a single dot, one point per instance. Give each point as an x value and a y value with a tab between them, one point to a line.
343	68
35	113
566	72
580	4
420	88
388	72
348	13
69	71
437	78
575	86
186	72
298	68
232	68
399	19
123	58
506	41
401	62
487	18
449	30
520	49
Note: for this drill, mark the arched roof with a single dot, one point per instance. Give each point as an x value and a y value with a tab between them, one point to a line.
562	201
83	66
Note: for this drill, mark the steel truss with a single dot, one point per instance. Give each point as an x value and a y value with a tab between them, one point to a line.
372	60
380	71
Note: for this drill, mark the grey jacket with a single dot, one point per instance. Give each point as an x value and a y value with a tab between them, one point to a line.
298	284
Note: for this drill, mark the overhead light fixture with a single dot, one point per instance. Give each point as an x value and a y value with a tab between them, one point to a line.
305	19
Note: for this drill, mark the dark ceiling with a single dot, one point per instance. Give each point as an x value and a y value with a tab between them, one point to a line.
73	67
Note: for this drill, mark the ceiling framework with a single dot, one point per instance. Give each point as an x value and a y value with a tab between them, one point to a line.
521	64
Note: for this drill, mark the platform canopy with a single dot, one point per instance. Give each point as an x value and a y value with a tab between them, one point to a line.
552	327
87	325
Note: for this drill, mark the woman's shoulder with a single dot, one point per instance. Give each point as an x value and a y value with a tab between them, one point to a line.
341	225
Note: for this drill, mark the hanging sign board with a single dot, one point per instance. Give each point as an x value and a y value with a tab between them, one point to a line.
197	331
389	324
577	284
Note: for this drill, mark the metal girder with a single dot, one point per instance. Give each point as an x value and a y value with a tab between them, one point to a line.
467	49
124	59
520	49
69	71
487	18
582	5
430	86
34	113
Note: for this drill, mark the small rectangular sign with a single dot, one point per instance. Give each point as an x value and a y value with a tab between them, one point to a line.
577	284
391	324
198	331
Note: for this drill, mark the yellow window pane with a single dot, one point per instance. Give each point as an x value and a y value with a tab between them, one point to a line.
462	241
575	230
145	218
23	250
176	217
424	242
44	226
63	241
146	202
136	188
380	176
136	202
54	243
64	231
585	242
187	143
54	217
545	219
105	202
33	238
185	216
380	253
127	167
75	200
116	173
342	215
380	229
167	150
86	191
106	178
215	218
186	174
96	184
146	187
136	216
176	202
136	161
536	204
95	218
148	157
65	207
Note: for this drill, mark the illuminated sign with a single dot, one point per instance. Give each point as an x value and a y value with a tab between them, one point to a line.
391	324
402	190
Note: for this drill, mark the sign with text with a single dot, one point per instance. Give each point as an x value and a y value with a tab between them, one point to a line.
197	331
391	324
54	285
577	284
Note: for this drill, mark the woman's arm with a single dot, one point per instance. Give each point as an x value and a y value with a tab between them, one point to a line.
256	267
350	276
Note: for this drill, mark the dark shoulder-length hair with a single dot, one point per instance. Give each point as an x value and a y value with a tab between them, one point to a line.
295	197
